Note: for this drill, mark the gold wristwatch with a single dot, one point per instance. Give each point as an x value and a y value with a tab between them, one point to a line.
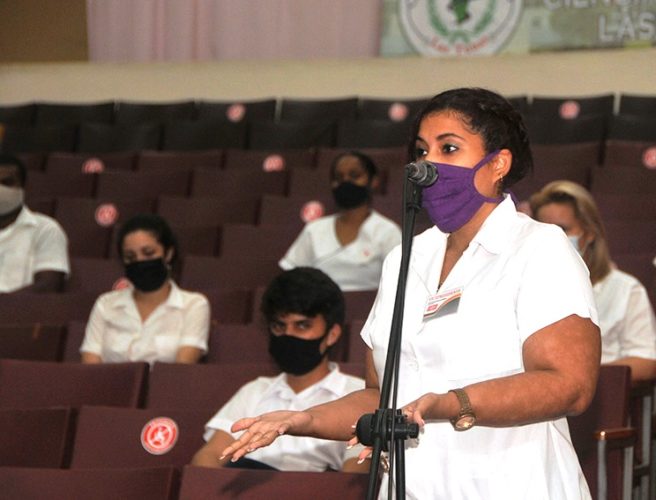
466	417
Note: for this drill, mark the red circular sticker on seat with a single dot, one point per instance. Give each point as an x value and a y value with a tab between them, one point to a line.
398	112
273	163
93	166
312	210
159	435
236	112
649	157
106	214
569	110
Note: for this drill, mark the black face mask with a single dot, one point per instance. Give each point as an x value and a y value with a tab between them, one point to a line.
348	195
147	275
294	355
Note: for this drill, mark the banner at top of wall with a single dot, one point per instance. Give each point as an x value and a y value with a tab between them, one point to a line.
484	27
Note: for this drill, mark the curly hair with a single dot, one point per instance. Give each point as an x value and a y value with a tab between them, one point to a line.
489	115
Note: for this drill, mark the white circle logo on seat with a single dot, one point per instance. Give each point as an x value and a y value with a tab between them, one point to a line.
273	163
236	112
569	110
458	27
159	435
106	214
649	158
93	166
312	210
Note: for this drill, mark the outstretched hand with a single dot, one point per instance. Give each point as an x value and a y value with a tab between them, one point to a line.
263	430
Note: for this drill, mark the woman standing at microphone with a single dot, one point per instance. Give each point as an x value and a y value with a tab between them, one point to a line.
500	337
348	246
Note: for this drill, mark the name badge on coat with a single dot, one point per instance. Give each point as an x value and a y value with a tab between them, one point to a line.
443	303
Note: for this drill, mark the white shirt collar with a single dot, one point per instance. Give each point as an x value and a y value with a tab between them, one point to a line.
333	383
174	300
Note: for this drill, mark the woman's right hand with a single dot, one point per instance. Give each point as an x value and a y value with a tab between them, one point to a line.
263	430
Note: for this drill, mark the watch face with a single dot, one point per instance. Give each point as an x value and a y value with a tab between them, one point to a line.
465	422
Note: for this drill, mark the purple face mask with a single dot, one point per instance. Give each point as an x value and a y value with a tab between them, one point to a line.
453	200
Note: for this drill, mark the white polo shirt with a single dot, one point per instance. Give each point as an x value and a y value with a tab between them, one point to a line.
116	333
356	266
33	243
626	318
516	277
289	453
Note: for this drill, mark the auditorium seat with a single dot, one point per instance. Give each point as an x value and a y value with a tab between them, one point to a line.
637	104
639	264
133	113
169	161
72	163
258	242
633	128
570	108
623	180
237	111
309	182
318	110
96	275
622	153
555	130
384	158
234	343
626	206
196	240
229	305
36	342
371	134
520	103
46	308
109	438
104	212
39	384
357	349
237	184
47	185
395	110
200	272
74	336
87	239
100	484
269	160
60	113
269	135
105	138
180	211
38	138
626	236
194	135
248	484
358	303
295	211
601	438
17	114
141	185
38	437
33	161
200	387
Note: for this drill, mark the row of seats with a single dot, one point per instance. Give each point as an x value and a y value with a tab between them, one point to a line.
88	434
261	135
48	342
291	109
169	483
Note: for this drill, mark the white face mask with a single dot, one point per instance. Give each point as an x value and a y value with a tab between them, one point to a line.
10	198
575	240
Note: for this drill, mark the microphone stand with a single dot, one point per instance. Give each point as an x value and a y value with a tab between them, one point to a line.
387	429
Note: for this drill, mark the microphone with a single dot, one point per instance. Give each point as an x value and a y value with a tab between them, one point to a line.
422	173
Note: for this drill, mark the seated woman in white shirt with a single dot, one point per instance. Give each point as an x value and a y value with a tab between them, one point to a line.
348	246
626	318
153	320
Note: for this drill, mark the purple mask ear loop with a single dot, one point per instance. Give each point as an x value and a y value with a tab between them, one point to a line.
487	159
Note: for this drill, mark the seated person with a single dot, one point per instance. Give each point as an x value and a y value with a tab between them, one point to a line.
626	318
304	310
33	246
348	246
153	320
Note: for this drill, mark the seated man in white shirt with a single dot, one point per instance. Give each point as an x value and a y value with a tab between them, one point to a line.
304	311
33	246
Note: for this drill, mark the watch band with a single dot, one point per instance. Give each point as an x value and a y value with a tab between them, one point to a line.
466	418
463	399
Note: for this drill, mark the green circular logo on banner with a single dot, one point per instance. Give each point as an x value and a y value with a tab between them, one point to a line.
458	27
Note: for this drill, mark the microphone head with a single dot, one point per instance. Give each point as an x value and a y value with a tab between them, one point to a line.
422	172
